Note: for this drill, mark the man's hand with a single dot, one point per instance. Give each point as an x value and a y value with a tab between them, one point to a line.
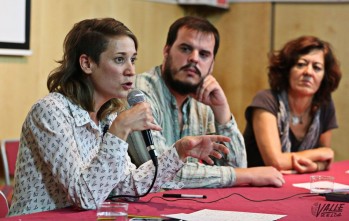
212	94
259	176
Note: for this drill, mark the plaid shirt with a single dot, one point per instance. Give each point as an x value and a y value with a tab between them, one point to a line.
198	119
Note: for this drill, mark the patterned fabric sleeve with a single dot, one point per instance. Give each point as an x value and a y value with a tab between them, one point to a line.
237	151
87	177
137	182
63	161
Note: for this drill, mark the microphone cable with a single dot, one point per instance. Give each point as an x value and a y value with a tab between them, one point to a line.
135	97
301	195
154	158
156	164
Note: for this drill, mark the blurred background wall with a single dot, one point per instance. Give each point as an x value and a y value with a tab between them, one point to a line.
248	32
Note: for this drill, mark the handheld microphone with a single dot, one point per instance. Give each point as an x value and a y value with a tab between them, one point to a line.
135	97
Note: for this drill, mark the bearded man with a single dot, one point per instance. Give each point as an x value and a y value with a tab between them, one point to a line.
187	100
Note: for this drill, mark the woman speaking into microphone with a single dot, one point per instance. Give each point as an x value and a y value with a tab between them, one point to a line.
67	155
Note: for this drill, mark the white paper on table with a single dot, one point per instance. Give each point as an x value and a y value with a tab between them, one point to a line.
221	215
337	187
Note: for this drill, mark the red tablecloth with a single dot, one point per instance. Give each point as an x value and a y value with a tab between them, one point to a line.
296	208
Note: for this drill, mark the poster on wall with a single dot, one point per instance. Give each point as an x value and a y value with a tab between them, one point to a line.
15	27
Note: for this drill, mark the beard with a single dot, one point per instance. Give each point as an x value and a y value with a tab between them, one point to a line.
183	88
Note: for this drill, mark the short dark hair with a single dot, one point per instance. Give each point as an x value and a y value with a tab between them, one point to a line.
281	62
90	37
193	23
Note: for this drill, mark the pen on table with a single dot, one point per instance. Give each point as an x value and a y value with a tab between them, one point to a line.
169	195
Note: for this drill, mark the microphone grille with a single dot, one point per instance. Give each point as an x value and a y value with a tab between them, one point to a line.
135	97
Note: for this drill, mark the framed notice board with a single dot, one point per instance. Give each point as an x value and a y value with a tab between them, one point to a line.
15	27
